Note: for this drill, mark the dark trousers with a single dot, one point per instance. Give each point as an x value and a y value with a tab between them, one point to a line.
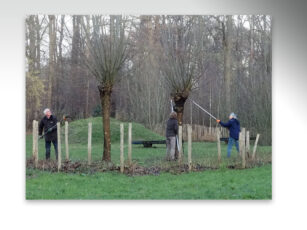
48	148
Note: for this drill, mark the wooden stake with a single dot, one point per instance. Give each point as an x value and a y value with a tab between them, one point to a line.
242	147
36	144
190	147
59	146
218	146
247	144
121	147
66	141
89	144
130	144
255	147
180	143
184	132
33	137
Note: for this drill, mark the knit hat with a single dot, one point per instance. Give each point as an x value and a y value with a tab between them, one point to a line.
233	115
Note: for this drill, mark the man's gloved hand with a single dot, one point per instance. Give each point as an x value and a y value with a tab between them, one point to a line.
218	121
41	137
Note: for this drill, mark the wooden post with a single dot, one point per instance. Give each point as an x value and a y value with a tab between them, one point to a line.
218	146
242	146
66	141
121	147
89	144
247	144
34	138
59	146
255	147
130	144
180	143
36	152
190	147
184	132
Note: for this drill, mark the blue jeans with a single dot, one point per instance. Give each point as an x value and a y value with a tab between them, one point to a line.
232	141
48	147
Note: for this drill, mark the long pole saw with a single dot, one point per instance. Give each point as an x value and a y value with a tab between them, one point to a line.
48	131
177	141
203	109
51	129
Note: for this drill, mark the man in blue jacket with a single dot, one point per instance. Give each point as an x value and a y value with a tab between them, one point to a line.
234	130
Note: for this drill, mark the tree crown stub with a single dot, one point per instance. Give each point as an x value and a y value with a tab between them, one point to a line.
105	88
179	100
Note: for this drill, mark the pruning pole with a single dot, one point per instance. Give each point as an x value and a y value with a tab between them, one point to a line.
203	109
177	141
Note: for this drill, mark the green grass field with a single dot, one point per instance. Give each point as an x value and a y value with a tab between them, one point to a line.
224	183
255	183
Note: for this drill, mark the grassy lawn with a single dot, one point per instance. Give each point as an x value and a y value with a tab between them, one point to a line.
254	183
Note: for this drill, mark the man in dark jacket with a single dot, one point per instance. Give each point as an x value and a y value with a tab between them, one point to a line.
234	130
48	124
171	132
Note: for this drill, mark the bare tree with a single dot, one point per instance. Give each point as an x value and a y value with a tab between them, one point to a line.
180	58
108	50
221	57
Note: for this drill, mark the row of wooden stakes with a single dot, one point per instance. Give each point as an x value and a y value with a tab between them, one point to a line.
36	138
244	144
89	145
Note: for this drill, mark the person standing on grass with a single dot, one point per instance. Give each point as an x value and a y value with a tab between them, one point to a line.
48	124
234	129
171	132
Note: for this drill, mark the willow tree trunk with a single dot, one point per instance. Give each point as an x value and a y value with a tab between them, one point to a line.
105	98
179	100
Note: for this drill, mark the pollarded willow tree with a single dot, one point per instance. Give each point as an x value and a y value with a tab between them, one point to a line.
107	50
181	45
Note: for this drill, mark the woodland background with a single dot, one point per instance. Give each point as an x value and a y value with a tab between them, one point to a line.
232	58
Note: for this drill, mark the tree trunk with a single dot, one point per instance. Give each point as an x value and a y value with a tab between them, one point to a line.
228	62
179	100
60	60
52	41
251	57
32	47
38	48
105	97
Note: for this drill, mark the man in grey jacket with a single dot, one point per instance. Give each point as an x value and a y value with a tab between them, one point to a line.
171	132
